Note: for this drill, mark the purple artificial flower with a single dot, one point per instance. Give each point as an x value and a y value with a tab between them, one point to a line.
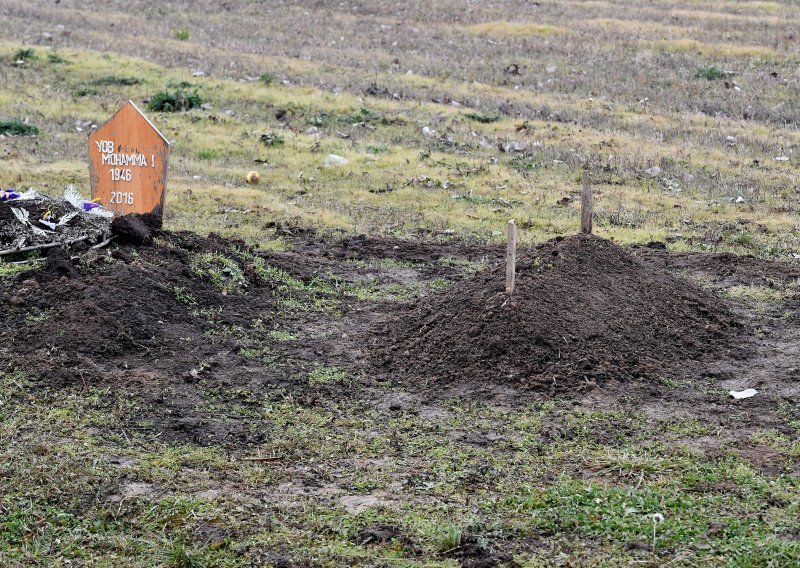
9	194
88	205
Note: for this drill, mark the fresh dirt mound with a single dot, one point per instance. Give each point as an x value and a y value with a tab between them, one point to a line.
182	323
148	321
584	312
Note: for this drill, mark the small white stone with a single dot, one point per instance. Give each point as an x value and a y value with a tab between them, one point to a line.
332	160
747	393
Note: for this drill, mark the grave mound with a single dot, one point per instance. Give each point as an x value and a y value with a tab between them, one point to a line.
31	219
584	312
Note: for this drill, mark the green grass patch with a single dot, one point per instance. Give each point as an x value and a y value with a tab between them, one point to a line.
117	81
55	58
267	78
9	269
16	127
182	97
207	154
756	294
482	118
710	73
223	272
327	375
25	55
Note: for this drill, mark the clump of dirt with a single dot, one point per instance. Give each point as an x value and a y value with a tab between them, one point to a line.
381	534
584	312
472	554
134	229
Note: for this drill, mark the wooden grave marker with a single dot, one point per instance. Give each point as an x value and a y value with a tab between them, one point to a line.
587	204
511	257
128	163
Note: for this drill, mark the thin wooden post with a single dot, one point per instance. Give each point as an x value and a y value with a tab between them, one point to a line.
587	204
511	257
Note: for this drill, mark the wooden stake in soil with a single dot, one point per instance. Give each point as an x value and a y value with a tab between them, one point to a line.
511	257
587	203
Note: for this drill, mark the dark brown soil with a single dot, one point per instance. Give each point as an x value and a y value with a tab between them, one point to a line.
137	317
585	312
132	229
147	323
471	553
139	320
723	268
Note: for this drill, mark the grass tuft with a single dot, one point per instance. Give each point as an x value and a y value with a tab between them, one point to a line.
114	80
25	55
514	29
182	97
17	128
710	73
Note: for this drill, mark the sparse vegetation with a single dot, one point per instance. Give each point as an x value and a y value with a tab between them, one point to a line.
482	118
272	139
319	470
207	154
55	58
116	80
758	295
18	128
182	97
184	296
25	55
9	269
326	375
710	73
223	272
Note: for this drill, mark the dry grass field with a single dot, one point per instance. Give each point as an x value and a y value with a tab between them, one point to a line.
453	116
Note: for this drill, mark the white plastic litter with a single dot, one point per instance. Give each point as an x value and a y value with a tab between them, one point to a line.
744	394
332	160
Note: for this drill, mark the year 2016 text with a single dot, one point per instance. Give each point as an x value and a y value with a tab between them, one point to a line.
121	198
